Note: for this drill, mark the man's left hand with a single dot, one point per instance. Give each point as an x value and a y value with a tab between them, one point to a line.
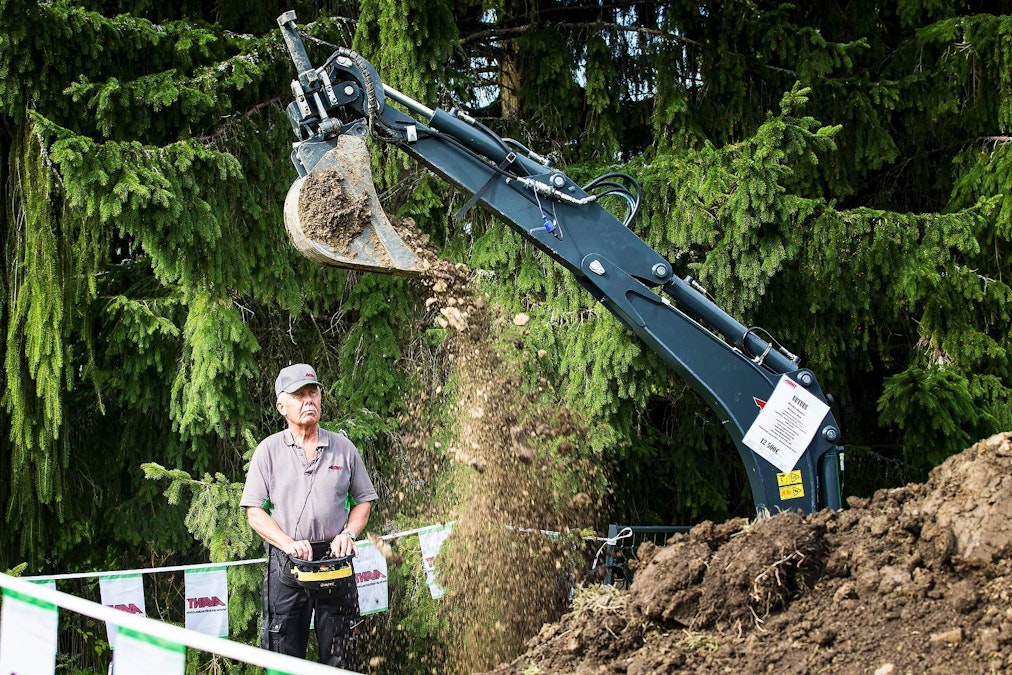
343	546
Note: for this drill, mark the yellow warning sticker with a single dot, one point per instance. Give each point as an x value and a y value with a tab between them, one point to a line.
792	478
790	484
792	491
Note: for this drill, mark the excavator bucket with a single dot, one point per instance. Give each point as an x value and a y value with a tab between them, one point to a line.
333	215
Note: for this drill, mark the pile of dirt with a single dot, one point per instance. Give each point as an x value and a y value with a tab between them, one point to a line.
916	579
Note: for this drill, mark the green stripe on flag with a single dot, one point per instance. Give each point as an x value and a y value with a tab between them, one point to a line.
120	576
152	639
30	599
204	570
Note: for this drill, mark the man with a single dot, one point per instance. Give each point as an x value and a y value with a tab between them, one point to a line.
296	499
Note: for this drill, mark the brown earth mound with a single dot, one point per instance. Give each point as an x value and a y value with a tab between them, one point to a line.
915	579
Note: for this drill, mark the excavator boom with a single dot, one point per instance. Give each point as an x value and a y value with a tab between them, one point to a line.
773	409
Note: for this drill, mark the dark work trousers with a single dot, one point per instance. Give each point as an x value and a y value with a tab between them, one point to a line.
288	610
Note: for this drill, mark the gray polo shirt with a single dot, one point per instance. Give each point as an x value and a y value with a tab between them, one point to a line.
308	498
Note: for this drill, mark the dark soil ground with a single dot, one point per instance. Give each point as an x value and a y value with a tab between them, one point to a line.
916	579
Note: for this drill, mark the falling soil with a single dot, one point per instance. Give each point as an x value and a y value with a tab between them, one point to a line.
329	212
507	566
916	579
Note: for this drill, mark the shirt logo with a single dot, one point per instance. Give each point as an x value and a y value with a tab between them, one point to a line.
334	467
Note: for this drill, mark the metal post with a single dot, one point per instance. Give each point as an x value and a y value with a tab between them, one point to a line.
609	555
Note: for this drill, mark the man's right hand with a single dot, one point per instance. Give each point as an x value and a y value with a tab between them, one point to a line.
301	549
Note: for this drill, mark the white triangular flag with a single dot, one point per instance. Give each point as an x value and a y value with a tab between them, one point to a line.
431	540
207	600
371	578
140	653
124	592
28	630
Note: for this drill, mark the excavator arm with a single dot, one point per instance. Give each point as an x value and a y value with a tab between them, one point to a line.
773	409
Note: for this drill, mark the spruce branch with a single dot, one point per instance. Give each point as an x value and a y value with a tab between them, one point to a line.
155	471
17	570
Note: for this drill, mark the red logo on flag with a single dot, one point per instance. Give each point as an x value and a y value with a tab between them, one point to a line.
128	607
198	603
370	575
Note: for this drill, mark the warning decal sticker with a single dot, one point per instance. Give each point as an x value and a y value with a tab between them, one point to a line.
790	485
792	478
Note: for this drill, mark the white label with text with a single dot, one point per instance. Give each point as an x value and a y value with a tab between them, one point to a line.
786	425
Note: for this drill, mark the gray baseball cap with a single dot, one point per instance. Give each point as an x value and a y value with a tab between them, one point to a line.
294	377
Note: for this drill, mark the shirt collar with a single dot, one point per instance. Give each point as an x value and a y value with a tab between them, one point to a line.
322	439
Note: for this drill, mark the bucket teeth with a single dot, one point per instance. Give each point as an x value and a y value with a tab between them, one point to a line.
333	215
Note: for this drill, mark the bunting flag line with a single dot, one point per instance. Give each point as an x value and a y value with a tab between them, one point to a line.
28	633
124	592
207	600
431	540
371	577
140	653
206	587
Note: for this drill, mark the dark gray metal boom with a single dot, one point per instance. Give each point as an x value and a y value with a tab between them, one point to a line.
774	410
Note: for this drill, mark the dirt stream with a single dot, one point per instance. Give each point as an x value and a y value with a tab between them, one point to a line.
915	579
504	575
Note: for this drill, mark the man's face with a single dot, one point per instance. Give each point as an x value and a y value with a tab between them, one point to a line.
302	406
